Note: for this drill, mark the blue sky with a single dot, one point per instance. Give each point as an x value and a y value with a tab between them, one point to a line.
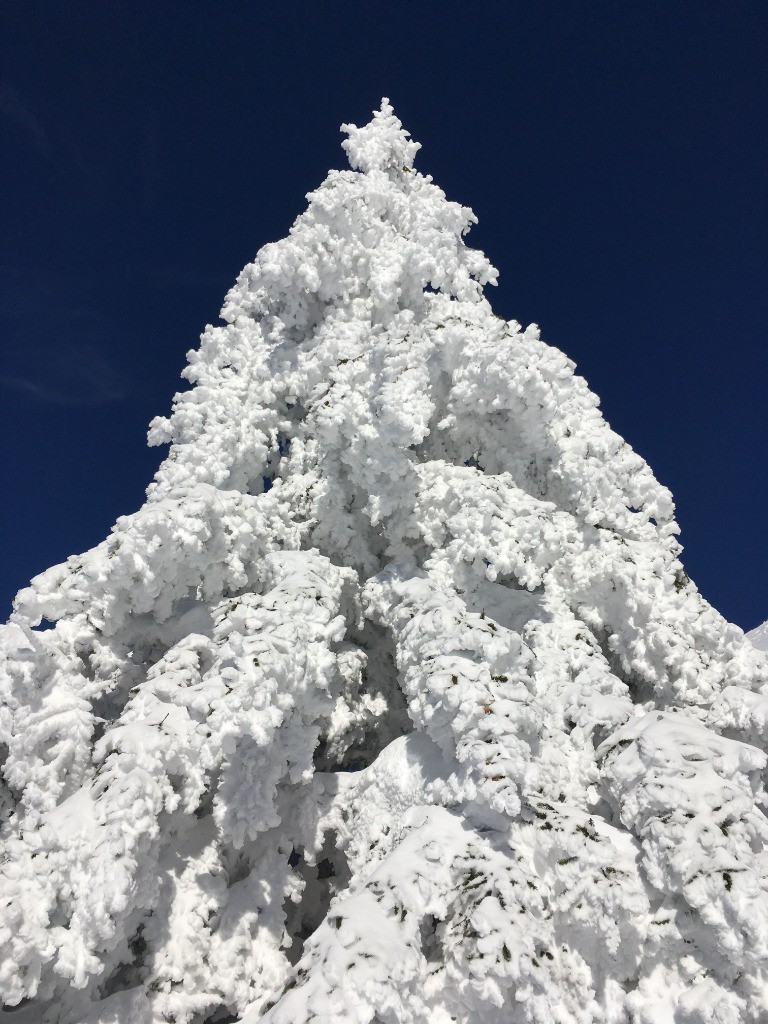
615	155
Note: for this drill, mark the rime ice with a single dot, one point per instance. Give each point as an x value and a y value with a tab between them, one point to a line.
394	702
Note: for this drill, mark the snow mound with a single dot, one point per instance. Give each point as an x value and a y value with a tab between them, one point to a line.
394	702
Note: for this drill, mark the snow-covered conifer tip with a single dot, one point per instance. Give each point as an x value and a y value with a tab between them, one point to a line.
382	145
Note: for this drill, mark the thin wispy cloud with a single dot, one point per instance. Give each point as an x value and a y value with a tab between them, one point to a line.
55	350
81	396
79	376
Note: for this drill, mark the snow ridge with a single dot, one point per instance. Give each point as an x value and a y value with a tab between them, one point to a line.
394	701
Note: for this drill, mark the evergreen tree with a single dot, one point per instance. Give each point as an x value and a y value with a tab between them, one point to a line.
394	702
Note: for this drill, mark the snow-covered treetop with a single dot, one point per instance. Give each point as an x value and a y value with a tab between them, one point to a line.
368	244
394	701
382	145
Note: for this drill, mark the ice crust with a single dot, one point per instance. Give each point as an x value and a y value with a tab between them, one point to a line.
394	702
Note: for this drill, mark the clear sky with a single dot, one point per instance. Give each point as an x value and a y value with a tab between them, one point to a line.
615	154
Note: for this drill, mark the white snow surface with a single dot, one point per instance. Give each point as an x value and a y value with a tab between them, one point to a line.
394	702
759	637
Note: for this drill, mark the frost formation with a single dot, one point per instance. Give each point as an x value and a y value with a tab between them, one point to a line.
394	702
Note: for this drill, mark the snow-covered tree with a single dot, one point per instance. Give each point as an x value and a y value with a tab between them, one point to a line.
394	702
